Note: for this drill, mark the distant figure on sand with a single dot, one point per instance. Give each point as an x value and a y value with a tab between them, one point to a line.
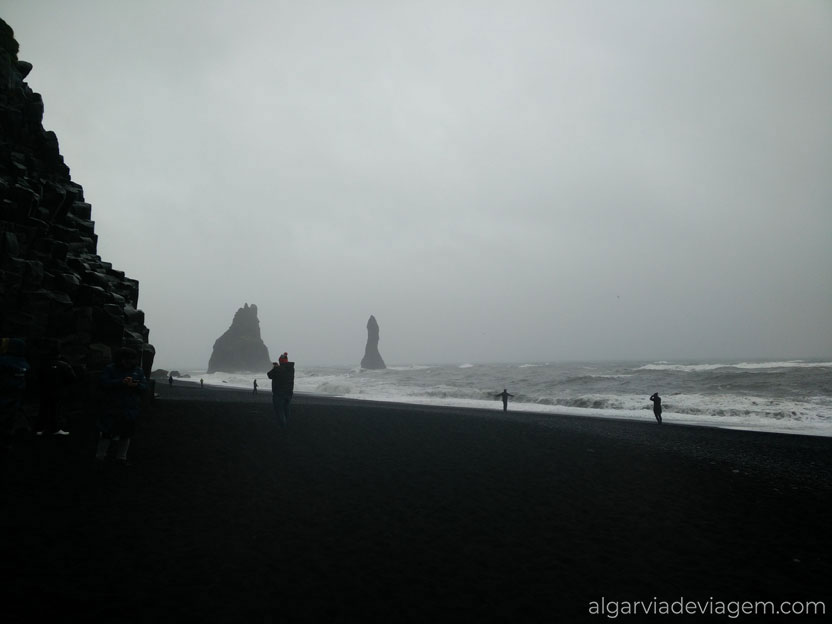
201	383
282	375
123	383
504	395
170	379
255	386
657	406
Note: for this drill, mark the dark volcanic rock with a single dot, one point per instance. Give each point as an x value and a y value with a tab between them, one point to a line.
240	349
372	358
55	290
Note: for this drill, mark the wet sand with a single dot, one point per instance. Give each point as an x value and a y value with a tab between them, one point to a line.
409	513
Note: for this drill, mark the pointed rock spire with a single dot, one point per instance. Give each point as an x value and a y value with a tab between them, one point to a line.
372	358
240	349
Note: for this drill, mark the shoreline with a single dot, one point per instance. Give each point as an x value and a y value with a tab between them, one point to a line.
408	513
768	450
518	414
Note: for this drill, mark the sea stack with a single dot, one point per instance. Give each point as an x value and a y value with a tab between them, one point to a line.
372	358
240	349
56	292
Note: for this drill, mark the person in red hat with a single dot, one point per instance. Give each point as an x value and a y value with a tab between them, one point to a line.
282	375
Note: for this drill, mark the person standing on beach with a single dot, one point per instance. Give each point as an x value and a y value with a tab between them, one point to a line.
13	372
201	383
55	373
170	380
657	406
282	375
504	395
123	383
255	386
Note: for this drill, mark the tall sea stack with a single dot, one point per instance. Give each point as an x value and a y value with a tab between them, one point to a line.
240	349
372	358
56	293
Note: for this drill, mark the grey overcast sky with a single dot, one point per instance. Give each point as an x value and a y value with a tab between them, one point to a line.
494	181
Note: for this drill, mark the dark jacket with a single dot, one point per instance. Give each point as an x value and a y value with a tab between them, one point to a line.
55	374
657	403
120	398
283	378
13	371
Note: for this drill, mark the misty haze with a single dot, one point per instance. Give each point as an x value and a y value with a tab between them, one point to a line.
524	183
489	311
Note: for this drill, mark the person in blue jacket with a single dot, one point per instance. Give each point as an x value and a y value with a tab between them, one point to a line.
13	370
55	375
122	384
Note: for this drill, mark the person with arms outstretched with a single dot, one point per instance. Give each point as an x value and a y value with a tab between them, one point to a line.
504	395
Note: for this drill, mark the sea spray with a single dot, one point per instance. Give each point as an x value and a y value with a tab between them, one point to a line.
786	396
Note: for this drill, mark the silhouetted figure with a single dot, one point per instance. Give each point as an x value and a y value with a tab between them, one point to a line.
170	380
201	383
504	395
13	369
55	374
255	386
657	406
122	383
282	375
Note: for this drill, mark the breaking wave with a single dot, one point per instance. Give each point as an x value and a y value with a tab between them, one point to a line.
788	396
694	368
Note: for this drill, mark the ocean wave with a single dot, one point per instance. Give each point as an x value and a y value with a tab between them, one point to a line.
594	402
609	376
442	392
334	388
769	396
696	368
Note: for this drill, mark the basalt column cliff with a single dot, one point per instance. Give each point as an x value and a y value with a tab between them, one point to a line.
372	358
55	292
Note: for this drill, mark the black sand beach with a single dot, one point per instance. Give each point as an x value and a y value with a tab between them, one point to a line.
367	510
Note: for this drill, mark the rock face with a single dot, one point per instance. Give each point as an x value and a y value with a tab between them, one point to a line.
240	349
372	358
55	291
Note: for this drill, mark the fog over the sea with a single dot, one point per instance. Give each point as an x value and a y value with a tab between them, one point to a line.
494	181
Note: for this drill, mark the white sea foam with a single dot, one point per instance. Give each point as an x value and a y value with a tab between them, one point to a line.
691	368
334	388
790	400
610	376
